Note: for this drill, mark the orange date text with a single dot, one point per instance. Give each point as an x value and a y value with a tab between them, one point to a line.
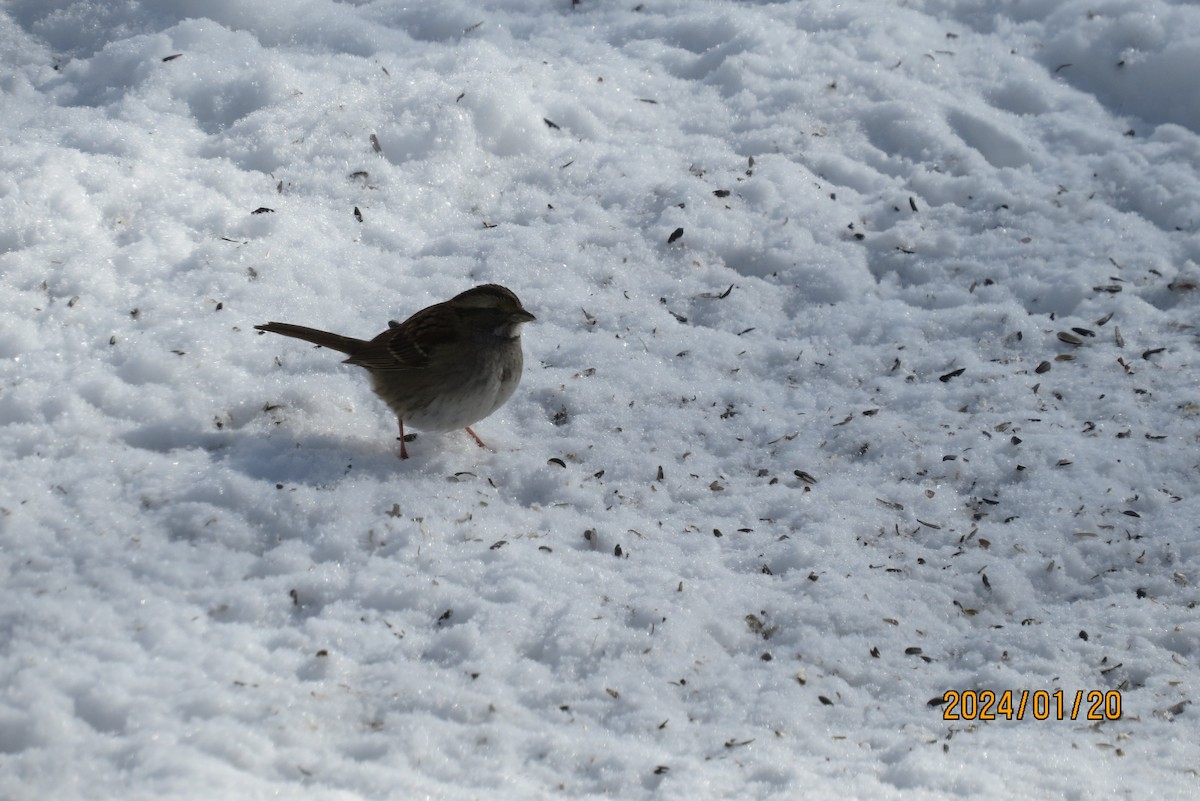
1035	704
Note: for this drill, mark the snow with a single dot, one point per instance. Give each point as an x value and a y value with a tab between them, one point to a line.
911	406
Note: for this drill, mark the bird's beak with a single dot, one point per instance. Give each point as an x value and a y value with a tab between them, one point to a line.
521	316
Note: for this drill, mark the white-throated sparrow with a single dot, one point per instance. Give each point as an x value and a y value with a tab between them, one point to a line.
448	366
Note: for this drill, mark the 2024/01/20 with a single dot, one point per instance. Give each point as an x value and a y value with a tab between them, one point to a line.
1039	704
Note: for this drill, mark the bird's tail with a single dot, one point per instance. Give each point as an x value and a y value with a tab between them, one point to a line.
316	336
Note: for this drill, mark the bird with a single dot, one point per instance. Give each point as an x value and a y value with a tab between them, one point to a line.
446	367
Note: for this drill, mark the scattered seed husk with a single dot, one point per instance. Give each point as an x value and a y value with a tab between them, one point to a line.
945	379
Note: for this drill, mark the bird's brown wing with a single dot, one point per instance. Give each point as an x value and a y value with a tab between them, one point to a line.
411	344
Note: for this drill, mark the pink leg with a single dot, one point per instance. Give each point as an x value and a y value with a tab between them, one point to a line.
478	441
403	450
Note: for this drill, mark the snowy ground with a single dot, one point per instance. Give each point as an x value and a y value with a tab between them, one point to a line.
911	406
